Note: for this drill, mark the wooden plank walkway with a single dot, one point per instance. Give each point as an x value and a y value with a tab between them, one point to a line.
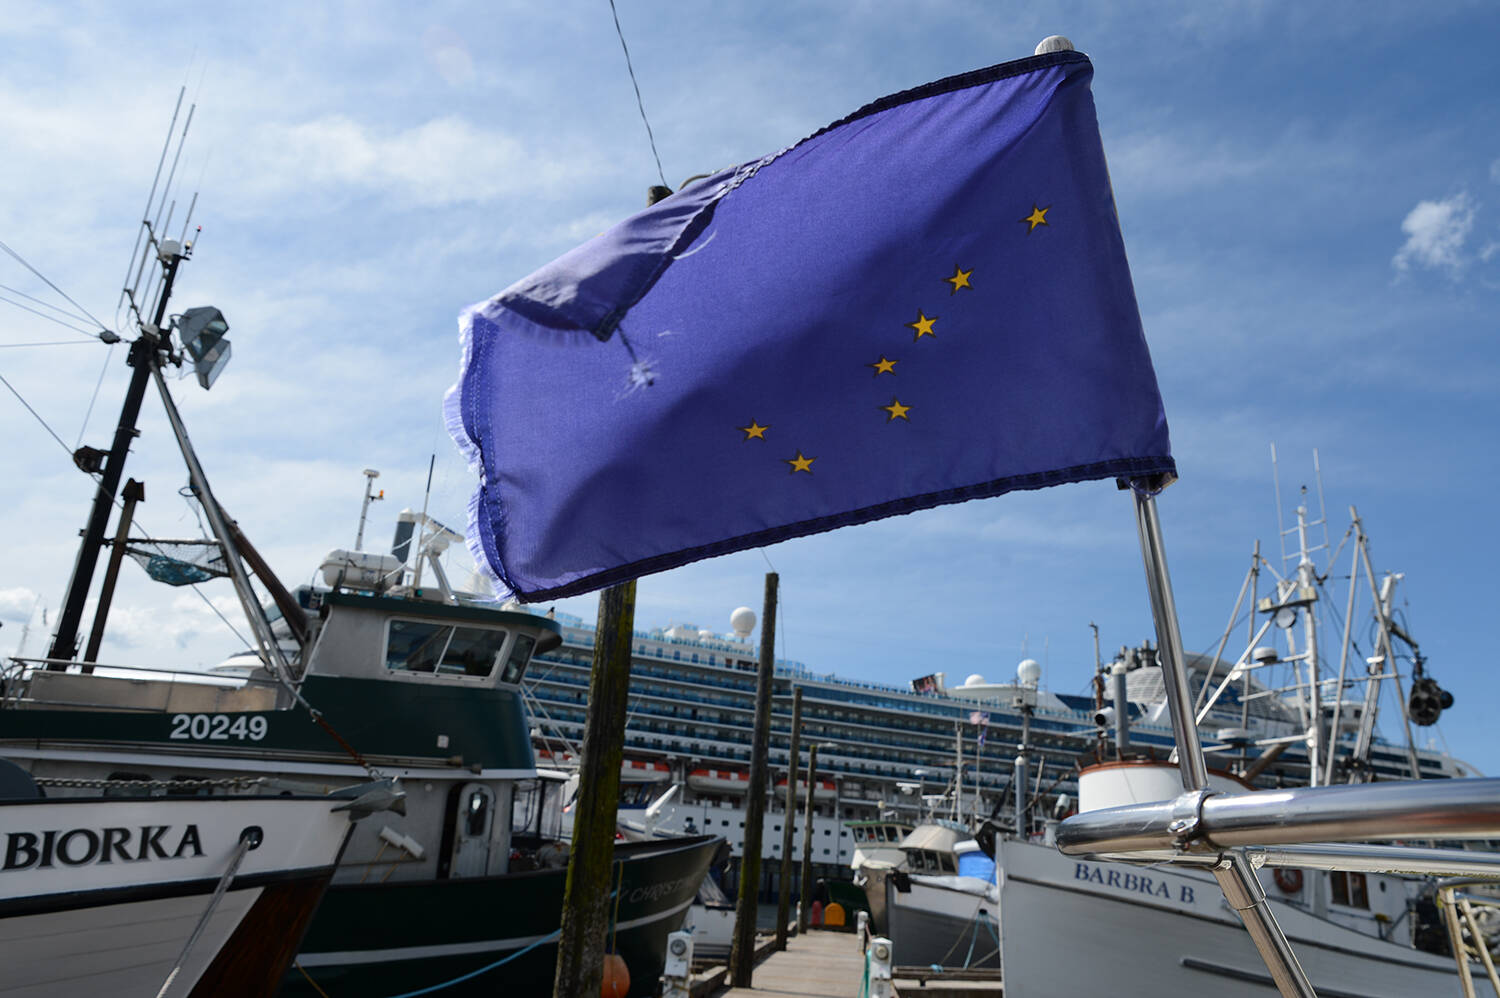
814	965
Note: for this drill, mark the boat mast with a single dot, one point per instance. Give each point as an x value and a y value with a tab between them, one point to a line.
145	358
1307	582
958	770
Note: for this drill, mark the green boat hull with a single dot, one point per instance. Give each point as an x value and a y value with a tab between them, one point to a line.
491	935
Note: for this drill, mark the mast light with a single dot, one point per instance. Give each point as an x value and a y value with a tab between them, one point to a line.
202	331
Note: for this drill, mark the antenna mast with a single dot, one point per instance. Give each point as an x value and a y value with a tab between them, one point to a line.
156	261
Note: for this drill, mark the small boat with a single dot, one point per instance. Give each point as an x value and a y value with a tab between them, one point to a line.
1069	924
723	781
822	790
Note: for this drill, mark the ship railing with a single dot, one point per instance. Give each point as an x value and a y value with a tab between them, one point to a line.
16	675
1458	914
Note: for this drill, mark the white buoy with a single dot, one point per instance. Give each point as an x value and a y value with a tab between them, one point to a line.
1054	43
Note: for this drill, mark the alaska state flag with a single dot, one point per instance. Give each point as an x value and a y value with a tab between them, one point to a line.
923	303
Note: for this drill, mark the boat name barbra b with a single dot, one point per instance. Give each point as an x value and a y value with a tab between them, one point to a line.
82	846
1131	883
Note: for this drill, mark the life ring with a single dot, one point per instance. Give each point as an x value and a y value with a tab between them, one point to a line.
1288	879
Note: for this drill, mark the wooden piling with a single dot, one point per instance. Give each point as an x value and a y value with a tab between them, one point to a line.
742	950
784	892
587	903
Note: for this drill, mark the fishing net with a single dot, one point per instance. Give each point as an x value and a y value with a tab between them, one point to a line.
179	563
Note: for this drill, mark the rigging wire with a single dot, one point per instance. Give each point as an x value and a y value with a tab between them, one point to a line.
49	284
44	315
146	535
109	355
68	450
44	304
638	101
49	343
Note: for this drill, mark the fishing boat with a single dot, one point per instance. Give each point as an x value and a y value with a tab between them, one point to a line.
365	675
137	894
1057	924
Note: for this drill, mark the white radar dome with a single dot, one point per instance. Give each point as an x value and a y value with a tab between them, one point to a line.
742	622
974	680
705	634
1029	672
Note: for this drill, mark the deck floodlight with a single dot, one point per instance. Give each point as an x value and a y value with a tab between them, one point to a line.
202	333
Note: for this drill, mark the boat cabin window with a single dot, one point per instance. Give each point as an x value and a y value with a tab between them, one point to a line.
520	654
859	833
424	646
1350	889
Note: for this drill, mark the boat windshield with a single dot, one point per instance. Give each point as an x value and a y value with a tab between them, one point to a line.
423	646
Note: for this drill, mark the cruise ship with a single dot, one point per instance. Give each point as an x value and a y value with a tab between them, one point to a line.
888	753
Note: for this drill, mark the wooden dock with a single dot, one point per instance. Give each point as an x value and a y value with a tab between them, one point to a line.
823	964
814	965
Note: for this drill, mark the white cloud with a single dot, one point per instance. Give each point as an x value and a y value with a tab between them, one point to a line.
17	604
1435	235
443	161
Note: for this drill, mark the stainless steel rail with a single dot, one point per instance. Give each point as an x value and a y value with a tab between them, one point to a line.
1426	809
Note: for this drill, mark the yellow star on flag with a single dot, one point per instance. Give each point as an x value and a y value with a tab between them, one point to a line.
960	279
754	431
884	366
923	325
800	463
1037	217
896	410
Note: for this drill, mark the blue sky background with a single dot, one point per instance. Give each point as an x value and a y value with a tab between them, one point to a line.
1310	196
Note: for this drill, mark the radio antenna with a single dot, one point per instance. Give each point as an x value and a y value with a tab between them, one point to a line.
125	292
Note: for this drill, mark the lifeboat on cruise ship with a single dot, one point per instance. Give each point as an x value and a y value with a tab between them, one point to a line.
644	771
719	781
556	759
631	770
825	789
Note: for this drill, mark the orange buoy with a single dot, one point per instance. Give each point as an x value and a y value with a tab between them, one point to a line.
616	982
833	915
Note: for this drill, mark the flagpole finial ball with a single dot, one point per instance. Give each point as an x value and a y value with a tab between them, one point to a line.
1053	43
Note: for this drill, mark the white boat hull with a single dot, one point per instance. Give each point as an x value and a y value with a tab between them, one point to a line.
100	896
1072	926
947	921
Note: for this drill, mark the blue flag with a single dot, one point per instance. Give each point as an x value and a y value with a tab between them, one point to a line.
923	303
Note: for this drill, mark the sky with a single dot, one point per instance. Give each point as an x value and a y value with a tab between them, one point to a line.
1309	196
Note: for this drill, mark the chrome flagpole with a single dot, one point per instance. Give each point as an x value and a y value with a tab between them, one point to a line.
1235	875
